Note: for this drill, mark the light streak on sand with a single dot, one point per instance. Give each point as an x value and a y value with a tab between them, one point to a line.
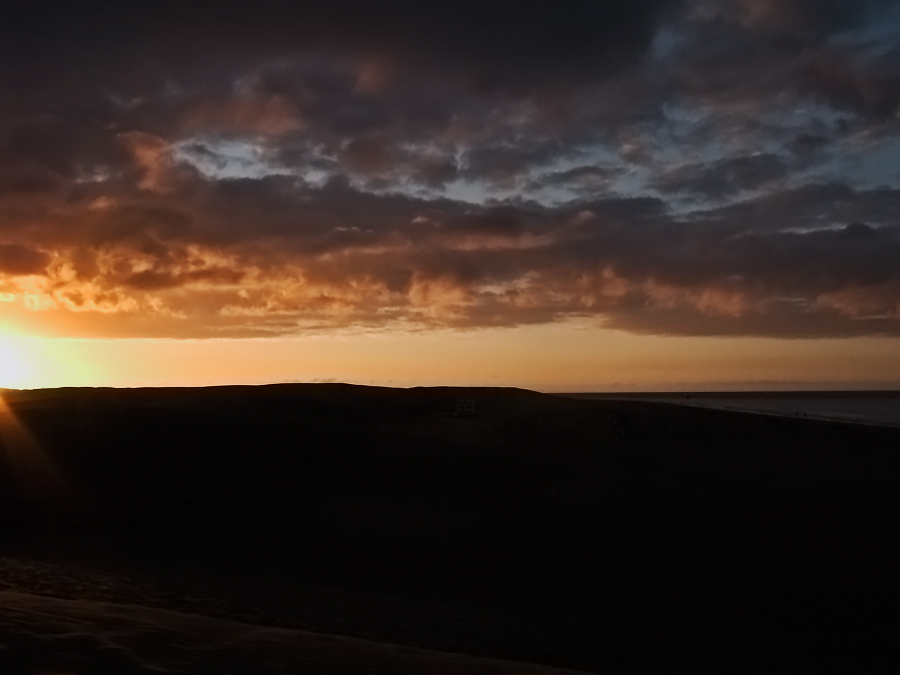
38	477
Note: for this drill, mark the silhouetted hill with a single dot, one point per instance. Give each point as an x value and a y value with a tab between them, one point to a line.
611	536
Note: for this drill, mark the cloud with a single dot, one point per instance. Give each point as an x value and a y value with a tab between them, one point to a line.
724	177
337	256
250	113
500	35
840	78
683	167
20	260
805	143
585	177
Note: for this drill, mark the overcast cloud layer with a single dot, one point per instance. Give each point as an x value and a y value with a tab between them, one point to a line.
695	167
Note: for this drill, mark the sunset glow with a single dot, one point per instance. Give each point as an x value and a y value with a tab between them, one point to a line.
15	369
645	195
583	359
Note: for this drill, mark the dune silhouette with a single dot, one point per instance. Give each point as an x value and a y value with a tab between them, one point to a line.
615	536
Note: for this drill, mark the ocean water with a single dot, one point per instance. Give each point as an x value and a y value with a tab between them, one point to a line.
880	408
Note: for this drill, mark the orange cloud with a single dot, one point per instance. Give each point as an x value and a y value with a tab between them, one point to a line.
265	115
153	157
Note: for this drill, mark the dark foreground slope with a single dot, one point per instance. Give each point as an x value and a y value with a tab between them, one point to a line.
607	536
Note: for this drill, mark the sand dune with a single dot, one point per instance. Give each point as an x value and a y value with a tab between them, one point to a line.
609	536
46	634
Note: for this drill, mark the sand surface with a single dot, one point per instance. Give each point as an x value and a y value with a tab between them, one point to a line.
232	529
41	634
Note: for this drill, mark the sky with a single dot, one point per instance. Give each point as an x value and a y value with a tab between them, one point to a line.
568	195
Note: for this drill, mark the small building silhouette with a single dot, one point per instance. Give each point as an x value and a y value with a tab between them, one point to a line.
465	407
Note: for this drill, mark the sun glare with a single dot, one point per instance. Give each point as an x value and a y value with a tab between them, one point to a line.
14	368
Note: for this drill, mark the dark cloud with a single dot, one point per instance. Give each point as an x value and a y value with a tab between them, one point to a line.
368	156
505	163
840	78
808	208
435	171
582	174
16	260
809	20
805	143
190	169
501	36
336	256
724	177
